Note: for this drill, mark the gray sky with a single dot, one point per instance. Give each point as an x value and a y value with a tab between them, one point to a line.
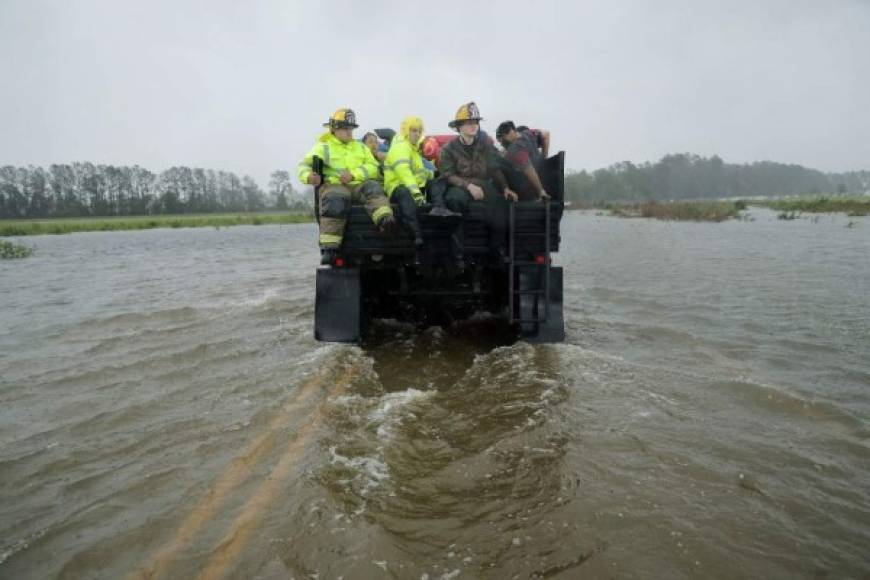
245	86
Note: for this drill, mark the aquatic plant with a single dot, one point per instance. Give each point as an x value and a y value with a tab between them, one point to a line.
852	206
711	211
8	250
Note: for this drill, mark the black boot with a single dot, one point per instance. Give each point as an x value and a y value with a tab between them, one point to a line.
327	256
387	225
441	211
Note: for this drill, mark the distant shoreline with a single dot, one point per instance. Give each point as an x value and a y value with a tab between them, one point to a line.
55	226
720	210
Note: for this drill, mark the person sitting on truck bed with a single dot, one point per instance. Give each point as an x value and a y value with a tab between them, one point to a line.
542	139
432	144
523	159
471	168
378	149
371	141
405	175
350	172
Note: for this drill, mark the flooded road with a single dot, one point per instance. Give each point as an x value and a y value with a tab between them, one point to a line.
166	413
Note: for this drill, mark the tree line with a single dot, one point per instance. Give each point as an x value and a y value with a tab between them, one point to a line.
85	189
688	176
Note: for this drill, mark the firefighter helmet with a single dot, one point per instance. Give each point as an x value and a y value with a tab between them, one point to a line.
467	112
342	118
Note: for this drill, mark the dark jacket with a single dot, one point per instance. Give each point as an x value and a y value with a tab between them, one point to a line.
462	164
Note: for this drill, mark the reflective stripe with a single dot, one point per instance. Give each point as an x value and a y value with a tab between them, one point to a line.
325	154
329	239
392	166
379	213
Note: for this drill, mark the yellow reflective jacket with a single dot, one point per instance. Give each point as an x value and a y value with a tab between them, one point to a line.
404	166
352	156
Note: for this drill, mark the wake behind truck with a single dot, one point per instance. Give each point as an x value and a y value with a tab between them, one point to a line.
378	276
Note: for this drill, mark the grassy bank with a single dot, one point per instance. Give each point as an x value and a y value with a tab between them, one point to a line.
853	206
70	225
699	211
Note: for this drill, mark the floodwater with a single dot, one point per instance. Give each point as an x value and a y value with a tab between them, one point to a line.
166	413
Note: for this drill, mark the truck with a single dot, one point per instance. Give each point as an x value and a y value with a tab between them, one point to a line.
378	275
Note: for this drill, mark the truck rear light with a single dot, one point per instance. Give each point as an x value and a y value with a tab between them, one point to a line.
339	262
540	259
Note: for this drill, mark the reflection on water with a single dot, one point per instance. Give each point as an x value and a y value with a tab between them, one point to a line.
165	413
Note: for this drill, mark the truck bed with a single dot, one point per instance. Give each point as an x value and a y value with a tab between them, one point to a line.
361	238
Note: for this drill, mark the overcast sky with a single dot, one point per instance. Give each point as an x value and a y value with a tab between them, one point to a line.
245	86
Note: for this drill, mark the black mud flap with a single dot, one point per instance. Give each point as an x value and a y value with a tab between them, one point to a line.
337	307
532	306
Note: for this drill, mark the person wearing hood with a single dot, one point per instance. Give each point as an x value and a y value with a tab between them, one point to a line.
405	175
350	174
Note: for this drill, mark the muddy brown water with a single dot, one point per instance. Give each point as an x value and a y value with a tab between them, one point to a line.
166	413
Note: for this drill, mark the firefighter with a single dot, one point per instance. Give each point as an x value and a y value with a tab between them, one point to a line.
470	167
350	172
523	158
405	175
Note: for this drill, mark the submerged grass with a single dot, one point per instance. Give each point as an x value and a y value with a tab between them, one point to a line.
9	251
71	225
853	206
700	211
